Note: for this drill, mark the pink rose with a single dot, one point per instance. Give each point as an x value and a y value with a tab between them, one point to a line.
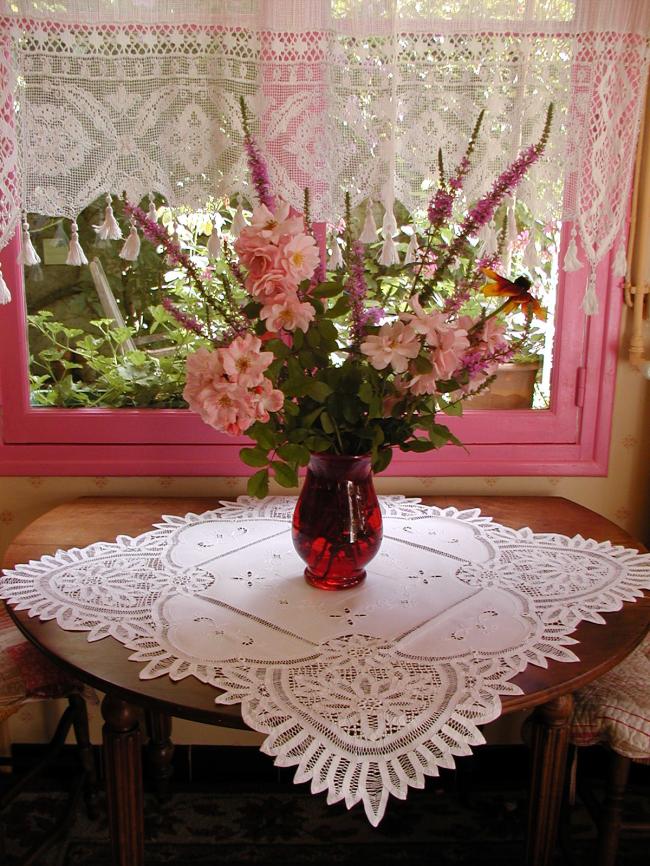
243	362
266	399
273	284
395	344
202	367
299	256
288	313
273	225
226	406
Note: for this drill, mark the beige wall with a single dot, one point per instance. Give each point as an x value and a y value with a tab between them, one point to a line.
623	496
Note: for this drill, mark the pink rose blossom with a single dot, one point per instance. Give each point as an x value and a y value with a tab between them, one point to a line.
272	287
256	254
201	367
243	362
266	399
450	350
428	324
224	405
446	358
492	335
299	257
395	344
288	313
272	225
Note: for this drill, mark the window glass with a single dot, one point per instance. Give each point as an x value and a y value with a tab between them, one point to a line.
103	335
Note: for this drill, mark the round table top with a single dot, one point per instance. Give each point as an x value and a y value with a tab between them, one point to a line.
105	664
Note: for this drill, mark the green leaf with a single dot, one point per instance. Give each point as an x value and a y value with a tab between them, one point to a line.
313	338
307	359
254	456
298	340
285	475
279	349
51	354
317	390
294	454
317	443
418	445
340	308
326	423
366	392
452	408
382	460
263	435
327	290
351	411
258	484
328	330
439	435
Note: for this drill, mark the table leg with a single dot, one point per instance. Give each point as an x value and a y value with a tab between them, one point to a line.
160	751
124	795
549	729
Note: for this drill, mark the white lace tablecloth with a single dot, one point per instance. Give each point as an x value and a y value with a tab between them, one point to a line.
366	691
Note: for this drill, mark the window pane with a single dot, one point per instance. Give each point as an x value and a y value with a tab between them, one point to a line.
100	336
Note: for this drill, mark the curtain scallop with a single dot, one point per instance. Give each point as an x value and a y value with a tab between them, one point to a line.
142	96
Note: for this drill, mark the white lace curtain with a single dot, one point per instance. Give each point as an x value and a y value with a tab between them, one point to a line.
141	96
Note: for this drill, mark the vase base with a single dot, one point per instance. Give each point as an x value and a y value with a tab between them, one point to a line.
335	583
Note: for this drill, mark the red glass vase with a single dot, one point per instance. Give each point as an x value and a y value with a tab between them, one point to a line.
337	526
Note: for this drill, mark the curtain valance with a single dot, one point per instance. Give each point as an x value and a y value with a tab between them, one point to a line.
142	96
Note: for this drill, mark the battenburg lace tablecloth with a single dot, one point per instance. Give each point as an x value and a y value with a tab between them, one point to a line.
366	691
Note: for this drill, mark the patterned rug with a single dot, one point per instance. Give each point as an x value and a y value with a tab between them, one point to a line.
271	824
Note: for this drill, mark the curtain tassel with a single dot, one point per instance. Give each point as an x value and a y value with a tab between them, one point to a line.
571	261
511	229
590	300
389	224
335	261
109	230
369	231
619	268
28	255
413	250
490	242
131	249
531	259
153	210
214	243
238	222
76	255
389	255
5	294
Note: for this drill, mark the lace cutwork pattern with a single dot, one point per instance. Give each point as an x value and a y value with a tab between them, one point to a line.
365	692
141	107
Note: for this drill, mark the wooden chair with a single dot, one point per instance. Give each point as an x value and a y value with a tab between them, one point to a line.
27	675
615	711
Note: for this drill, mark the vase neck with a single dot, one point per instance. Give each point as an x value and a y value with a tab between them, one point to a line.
342	466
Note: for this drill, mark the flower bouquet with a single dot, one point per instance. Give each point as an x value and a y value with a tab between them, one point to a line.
339	363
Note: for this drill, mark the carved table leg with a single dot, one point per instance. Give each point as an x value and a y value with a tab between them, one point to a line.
82	736
160	751
609	823
123	782
549	731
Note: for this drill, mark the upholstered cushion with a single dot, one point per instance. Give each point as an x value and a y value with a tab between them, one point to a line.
25	673
616	708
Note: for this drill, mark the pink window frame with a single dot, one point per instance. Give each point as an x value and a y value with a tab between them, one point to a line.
566	439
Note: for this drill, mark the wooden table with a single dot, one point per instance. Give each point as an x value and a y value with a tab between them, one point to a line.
105	664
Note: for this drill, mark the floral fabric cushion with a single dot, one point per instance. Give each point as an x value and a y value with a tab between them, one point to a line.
615	709
25	673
